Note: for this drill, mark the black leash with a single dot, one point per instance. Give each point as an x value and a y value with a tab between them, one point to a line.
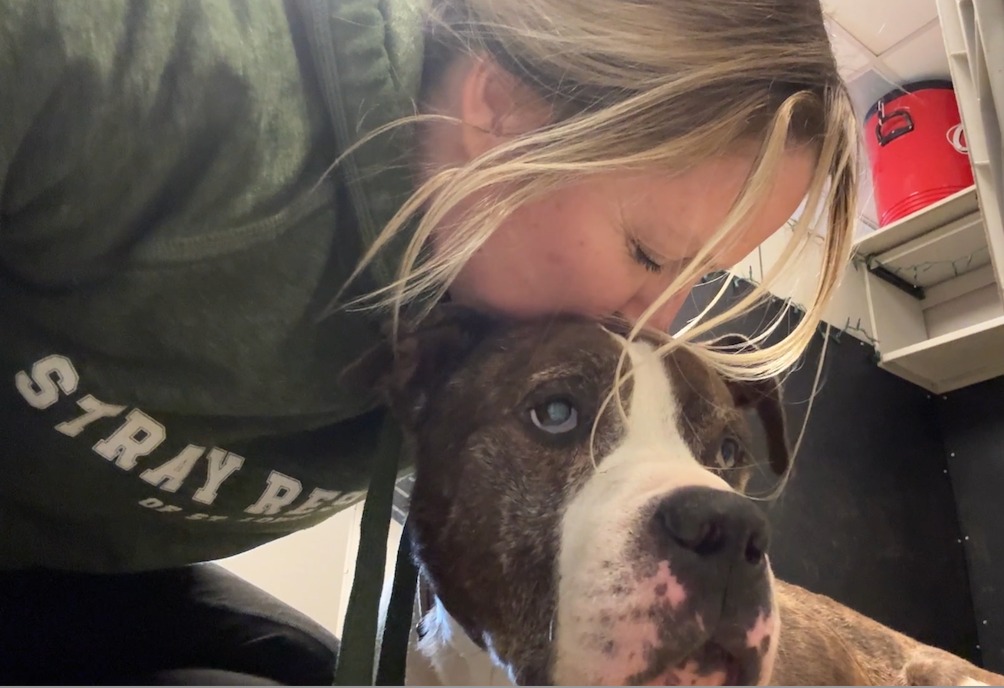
397	625
358	643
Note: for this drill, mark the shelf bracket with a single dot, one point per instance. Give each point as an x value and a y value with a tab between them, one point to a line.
887	275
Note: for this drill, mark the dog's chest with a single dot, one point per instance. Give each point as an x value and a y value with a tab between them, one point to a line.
445	656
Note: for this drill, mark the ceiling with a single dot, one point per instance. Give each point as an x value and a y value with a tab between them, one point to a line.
882	44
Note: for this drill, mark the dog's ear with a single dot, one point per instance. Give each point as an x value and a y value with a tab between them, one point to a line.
424	355
764	396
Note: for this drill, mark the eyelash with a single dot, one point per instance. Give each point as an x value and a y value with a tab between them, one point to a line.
643	259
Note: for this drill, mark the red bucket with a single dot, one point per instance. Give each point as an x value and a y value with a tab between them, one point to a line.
917	149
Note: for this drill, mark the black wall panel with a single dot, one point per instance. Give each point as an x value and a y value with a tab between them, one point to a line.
973	429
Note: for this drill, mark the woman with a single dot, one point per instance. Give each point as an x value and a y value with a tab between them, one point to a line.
183	277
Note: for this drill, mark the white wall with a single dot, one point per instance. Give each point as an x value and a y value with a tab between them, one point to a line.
312	570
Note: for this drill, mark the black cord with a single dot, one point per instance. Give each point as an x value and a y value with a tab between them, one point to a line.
358	647
397	625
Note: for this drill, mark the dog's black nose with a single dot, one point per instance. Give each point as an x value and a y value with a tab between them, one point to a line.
719	526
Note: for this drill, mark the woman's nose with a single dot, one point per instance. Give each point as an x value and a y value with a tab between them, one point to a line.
663	318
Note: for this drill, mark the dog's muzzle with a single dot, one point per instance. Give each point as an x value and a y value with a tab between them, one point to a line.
715	543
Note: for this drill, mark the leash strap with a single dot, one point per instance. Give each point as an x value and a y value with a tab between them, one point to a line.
397	625
359	632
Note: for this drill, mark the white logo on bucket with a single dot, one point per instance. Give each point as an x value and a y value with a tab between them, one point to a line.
957	138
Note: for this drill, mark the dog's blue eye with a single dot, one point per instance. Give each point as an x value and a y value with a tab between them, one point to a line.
728	453
556	416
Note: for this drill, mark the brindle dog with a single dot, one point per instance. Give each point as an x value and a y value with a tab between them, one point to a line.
627	555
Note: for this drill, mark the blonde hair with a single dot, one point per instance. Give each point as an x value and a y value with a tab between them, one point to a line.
637	85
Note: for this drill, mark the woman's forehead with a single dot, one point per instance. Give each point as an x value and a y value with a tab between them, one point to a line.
688	207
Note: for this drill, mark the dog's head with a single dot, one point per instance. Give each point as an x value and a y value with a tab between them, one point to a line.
643	567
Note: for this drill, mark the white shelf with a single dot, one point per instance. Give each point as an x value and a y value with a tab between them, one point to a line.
954	207
942	325
935	290
934	245
942	364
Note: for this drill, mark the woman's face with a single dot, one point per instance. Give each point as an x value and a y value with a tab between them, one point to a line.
612	244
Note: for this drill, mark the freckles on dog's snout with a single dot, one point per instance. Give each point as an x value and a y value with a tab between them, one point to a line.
759	635
668	587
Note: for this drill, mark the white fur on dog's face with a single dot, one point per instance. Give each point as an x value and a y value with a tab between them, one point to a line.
604	620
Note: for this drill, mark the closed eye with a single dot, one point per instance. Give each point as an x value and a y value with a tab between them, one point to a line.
642	257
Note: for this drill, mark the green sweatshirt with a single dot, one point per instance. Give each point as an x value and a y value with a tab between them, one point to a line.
167	247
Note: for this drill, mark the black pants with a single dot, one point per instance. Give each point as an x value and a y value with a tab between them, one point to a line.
195	625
